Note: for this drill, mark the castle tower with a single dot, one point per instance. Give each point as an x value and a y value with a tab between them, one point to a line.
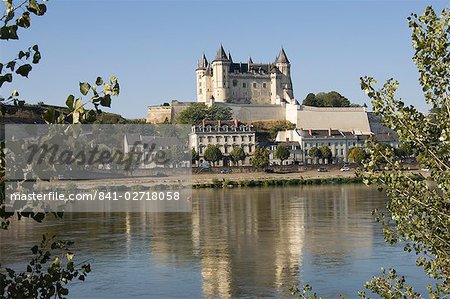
221	68
201	80
284	82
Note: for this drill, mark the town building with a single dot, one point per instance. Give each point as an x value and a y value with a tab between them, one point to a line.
226	135
339	142
295	152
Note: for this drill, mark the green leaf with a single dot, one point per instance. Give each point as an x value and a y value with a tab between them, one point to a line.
11	65
49	115
24	70
106	101
36	57
21	54
6	78
9	15
9	32
84	88
99	81
35	48
70	101
24	21
34	249
64	291
90	116
37	9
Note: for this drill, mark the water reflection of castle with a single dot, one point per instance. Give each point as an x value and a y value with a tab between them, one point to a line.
259	237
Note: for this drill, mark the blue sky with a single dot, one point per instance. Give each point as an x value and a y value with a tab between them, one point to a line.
153	46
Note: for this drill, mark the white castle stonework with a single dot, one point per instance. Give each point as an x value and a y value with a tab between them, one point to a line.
225	81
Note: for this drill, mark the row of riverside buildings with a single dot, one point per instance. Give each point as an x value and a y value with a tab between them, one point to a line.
263	92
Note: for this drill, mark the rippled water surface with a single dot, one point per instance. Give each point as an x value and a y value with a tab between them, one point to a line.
236	243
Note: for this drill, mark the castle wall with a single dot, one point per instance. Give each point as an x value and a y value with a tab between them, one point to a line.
256	112
245	89
159	114
344	119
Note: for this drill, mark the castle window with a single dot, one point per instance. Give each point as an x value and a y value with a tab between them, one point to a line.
264	85
254	85
244	85
235	82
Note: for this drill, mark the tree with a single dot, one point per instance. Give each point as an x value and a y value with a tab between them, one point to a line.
315	153
403	151
325	153
311	100
419	209
327	99
177	155
260	157
237	154
212	154
37	282
282	153
195	156
197	112
356	154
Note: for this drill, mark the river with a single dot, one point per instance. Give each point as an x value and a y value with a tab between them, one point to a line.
242	242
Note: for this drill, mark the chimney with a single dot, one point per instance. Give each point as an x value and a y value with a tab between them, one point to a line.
203	123
310	132
235	122
329	132
218	123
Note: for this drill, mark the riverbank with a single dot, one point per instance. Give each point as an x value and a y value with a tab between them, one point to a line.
268	182
222	180
311	177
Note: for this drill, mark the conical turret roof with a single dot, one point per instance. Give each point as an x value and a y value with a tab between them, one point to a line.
282	58
203	62
221	54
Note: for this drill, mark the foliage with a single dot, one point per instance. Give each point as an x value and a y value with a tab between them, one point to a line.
237	154
282	153
325	153
273	127
403	151
260	157
304	293
315	153
212	153
390	285
35	282
177	154
49	271
327	99
197	112
356	154
420	210
195	156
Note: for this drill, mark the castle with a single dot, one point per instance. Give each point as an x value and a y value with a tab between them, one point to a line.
260	92
226	81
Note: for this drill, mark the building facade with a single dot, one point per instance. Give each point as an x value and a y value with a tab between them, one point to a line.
339	142
226	81
226	135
